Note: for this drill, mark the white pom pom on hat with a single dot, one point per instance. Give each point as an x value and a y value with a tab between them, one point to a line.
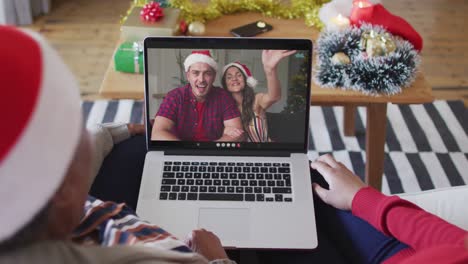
200	56
251	81
41	126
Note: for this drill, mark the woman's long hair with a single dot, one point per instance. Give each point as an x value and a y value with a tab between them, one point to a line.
248	97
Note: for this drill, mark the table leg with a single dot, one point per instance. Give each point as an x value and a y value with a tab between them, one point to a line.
349	120
375	143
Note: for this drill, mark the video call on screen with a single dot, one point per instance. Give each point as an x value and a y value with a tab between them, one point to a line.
285	118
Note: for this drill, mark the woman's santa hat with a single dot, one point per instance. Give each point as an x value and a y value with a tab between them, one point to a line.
251	81
200	56
41	126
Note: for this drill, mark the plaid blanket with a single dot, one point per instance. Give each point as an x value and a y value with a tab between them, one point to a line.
109	224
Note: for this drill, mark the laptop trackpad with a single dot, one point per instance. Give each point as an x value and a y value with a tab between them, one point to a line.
226	223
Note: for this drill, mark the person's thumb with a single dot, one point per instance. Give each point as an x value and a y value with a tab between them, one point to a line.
321	192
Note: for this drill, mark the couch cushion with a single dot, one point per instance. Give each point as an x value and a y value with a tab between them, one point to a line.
448	203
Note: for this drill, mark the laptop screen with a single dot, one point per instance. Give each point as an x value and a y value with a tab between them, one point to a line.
227	94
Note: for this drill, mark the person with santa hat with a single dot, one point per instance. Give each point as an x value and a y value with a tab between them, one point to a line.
214	108
238	80
47	165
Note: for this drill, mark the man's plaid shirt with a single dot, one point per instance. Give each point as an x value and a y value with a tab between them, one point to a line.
179	105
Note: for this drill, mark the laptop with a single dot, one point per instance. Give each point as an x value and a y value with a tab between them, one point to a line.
251	195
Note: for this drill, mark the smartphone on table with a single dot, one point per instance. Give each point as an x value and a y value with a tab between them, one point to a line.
251	29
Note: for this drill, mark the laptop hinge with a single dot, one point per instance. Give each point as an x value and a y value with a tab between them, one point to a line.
255	153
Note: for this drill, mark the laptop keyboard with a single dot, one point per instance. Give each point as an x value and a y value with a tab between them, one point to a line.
226	181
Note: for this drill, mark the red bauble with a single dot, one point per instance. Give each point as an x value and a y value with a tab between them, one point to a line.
151	12
183	27
378	15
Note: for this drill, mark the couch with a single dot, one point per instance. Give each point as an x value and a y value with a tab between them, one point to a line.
448	203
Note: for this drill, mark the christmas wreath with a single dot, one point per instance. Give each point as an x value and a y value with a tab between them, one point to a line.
366	59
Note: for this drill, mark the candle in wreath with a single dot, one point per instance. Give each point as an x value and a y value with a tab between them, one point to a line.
339	22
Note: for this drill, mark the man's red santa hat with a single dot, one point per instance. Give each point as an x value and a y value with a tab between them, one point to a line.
41	126
200	56
251	81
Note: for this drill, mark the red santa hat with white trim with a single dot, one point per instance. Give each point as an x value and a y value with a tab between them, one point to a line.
251	81
41	126
200	56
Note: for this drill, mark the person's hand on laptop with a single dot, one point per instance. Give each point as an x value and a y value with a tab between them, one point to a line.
207	244
343	183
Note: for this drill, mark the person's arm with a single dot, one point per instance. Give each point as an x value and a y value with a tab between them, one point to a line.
390	214
104	136
270	60
162	129
233	132
233	124
405	221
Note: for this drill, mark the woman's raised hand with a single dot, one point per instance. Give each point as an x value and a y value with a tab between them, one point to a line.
271	58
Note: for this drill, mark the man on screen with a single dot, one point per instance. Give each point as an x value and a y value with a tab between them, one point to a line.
198	111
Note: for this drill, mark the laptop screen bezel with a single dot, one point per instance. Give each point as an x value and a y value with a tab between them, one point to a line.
225	43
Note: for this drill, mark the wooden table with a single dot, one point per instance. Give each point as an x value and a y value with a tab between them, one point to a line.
131	86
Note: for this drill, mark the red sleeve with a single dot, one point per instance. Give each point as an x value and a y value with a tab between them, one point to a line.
405	221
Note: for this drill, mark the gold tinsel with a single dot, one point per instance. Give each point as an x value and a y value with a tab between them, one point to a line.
140	3
192	11
307	9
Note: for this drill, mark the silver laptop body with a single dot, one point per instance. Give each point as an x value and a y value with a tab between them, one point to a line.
270	207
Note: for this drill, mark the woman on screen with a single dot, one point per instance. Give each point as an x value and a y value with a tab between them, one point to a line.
237	79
